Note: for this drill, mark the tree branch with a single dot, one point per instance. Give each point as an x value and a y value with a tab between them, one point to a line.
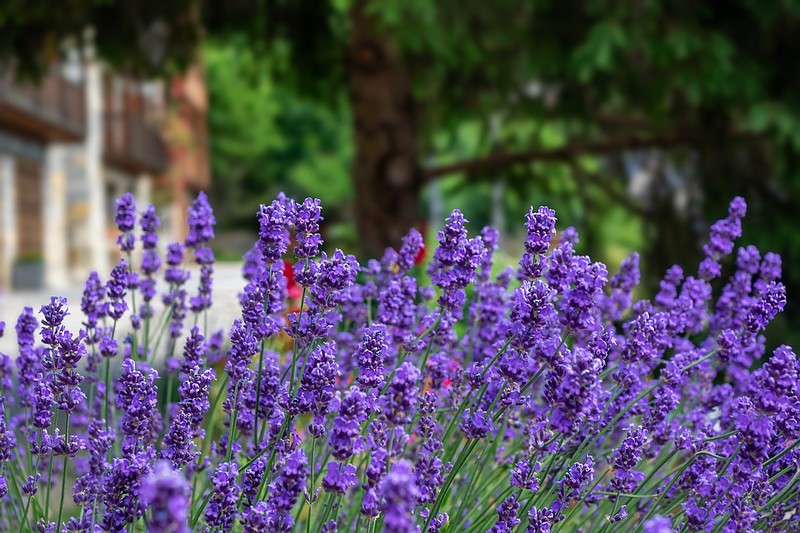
564	153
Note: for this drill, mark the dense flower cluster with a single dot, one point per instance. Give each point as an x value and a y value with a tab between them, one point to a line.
353	396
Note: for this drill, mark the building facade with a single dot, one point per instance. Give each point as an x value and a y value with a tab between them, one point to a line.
69	146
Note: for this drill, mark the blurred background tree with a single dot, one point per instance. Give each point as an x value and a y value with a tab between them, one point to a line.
265	139
637	119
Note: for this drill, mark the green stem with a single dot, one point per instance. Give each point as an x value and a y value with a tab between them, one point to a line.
15	491
533	499
232	429
166	319
477	472
199	511
63	478
462	458
260	369
35	471
293	368
108	381
780	455
674	480
258	391
168	401
50	474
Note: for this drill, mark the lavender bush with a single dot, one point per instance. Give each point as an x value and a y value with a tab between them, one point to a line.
352	397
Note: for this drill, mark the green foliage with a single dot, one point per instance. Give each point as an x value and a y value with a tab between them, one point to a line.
718	76
265	138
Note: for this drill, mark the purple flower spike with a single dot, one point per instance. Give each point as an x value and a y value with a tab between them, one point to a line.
116	289
506	516
658	524
137	397
541	226
149	222
125	217
412	244
307	217
201	222
371	356
7	445
221	510
125	213
399	402
284	491
477	425
273	234
317	383
398	493
340	477
166	493
720	241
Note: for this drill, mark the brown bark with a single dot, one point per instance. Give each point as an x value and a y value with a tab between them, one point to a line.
570	151
387	176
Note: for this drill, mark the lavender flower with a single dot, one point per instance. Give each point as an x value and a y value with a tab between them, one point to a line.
539	520
340	477
400	399
398	493
429	470
179	442
333	276
397	307
306	223
622	285
137	399
426	413
151	261
66	379
625	459
88	486
201	222
166	493
284	491
317	383
122	481
176	277
273	232
7	445
255	519
453	268
658	524
92	304
116	289
44	403
221	510
720	241
204	257
477	425
371	356
345	435
125	217
532	312
540	226
506	516
410	249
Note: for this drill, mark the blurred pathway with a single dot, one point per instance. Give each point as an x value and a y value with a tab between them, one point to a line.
228	283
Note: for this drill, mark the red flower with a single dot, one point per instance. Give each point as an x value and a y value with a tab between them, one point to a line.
292	288
422	228
420	255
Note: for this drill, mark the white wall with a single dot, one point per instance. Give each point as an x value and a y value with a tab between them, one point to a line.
8	219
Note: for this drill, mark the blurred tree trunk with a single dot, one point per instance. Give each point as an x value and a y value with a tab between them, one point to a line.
387	176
